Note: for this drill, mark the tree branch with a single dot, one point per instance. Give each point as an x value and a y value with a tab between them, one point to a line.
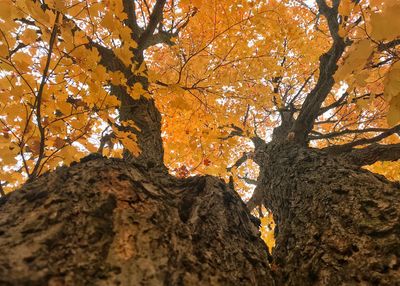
302	87
337	149
245	156
373	153
388	45
165	37
327	68
155	18
131	22
249	181
38	101
337	103
344	132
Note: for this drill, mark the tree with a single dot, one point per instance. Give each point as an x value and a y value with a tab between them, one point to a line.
309	92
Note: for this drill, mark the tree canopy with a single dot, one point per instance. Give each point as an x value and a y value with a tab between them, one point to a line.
221	74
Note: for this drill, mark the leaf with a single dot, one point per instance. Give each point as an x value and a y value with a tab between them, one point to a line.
357	57
386	25
137	91
393	116
392	82
58	143
128	140
70	154
7	10
108	21
392	94
179	102
124	54
29	36
59	5
34	146
345	7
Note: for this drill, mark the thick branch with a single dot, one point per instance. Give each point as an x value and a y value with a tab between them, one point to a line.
345	132
237	131
337	103
165	37
349	146
131	22
245	156
162	37
327	68
155	18
388	45
374	153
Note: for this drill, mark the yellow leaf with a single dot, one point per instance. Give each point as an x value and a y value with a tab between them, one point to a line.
70	154
34	146
58	142
128	140
59	5
179	102
357	57
7	11
386	25
342	31
29	36
392	82
393	116
124	54
345	7
137	91
108	21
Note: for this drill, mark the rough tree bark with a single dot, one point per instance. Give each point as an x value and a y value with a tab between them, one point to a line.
337	224
106	222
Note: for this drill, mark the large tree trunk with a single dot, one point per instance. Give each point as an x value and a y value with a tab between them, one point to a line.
106	222
337	224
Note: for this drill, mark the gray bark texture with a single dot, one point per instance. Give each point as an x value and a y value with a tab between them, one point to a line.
107	222
337	224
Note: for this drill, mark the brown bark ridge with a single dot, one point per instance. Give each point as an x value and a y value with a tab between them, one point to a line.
107	222
337	224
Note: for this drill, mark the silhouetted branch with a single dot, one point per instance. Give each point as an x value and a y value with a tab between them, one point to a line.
374	153
327	68
131	22
337	149
345	132
249	180
245	156
155	18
